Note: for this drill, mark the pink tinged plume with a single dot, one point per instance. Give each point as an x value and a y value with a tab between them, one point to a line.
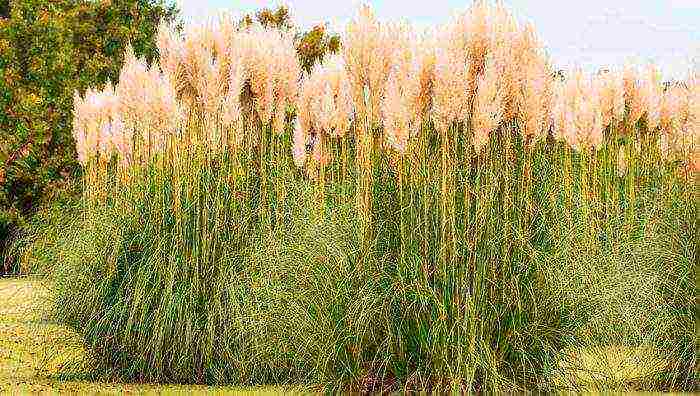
367	50
618	91
334	95
558	109
566	99
324	108
106	140
475	28
482	31
288	72
166	108
343	101
604	82
535	99
91	123
170	50
449	88
393	103
675	116
594	118
488	106
406	91
223	38
635	97
325	98
231	111
587	114
672	104
613	97
132	88
303	121
333	71
425	59
123	143
272	68
310	103
520	58
396	116
197	50
652	90
210	90
147	102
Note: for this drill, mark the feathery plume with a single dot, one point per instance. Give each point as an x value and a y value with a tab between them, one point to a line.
450	87
612	96
402	110
535	98
652	92
635	98
587	112
299	139
367	50
488	107
170	51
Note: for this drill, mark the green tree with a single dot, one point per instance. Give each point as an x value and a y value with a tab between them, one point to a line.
49	49
315	44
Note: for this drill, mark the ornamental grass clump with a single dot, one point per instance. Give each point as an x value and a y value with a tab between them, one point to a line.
388	220
188	163
463	200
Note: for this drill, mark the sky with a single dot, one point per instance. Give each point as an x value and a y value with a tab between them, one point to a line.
591	34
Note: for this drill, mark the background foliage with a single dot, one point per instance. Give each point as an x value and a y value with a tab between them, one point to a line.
49	49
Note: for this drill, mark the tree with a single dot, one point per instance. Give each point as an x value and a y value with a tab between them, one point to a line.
49	49
314	45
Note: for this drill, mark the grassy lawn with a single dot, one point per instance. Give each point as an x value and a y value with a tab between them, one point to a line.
35	353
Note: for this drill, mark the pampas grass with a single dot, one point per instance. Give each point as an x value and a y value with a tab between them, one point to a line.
391	220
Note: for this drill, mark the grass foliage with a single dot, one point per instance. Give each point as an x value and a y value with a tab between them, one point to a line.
302	301
464	246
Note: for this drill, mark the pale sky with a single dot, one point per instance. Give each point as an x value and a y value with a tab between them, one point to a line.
587	33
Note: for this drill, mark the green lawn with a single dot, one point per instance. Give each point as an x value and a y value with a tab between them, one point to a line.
35	353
